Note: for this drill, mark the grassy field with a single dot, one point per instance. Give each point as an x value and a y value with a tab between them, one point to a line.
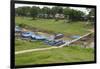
25	45
60	55
73	28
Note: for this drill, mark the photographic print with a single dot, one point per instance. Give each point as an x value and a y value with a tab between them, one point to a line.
53	34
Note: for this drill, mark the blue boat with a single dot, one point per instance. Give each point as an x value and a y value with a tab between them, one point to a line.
38	37
58	36
54	42
26	34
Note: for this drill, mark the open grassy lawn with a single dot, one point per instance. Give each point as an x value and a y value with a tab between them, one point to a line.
25	45
73	28
60	55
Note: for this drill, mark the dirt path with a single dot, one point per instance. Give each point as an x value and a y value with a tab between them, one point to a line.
31	50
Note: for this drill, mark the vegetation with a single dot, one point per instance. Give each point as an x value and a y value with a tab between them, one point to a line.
34	11
25	45
47	12
74	28
60	55
91	15
74	15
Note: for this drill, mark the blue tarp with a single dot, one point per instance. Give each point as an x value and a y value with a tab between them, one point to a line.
33	36
75	36
38	37
17	29
27	34
54	42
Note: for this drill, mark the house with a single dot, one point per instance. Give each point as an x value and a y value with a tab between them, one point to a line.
60	16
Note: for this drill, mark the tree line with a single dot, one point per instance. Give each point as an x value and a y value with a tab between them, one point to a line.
56	12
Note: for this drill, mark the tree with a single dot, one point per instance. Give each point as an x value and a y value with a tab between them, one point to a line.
34	11
54	11
19	11
57	12
91	14
73	15
67	13
22	11
46	11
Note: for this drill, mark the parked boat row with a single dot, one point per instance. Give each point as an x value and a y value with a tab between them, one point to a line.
52	41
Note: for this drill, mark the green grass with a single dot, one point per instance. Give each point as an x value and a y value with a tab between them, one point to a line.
25	45
60	55
78	28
